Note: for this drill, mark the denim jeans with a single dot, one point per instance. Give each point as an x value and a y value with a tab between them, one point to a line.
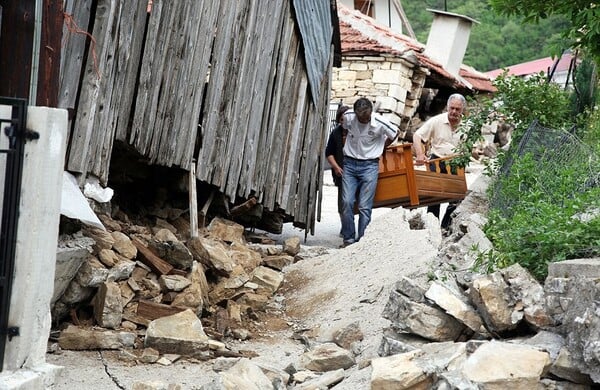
359	183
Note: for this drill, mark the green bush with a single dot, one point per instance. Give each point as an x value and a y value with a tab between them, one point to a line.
546	223
522	101
591	135
550	208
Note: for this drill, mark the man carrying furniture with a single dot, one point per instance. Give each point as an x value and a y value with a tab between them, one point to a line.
442	132
366	139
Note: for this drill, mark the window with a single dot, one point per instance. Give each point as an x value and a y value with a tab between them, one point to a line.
364	6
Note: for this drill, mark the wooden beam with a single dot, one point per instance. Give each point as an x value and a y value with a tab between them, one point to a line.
404	19
151	310
50	51
193	201
244	207
145	255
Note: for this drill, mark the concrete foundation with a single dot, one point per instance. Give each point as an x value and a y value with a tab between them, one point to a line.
25	366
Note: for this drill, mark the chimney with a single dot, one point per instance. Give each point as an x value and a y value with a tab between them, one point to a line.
448	39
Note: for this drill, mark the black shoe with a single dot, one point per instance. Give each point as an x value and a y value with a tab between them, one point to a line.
346	243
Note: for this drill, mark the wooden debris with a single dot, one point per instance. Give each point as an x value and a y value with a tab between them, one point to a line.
152	310
155	263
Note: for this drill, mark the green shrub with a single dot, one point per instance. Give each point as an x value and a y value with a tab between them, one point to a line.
545	223
522	101
591	135
540	216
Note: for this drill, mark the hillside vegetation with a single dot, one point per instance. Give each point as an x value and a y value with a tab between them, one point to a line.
496	42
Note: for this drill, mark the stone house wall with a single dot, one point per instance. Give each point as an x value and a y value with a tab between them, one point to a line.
393	83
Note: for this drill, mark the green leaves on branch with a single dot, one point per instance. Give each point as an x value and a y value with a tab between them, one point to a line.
545	209
584	18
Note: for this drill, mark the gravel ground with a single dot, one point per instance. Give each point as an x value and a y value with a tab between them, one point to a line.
324	292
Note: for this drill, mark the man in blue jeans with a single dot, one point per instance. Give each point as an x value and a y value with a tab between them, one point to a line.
366	139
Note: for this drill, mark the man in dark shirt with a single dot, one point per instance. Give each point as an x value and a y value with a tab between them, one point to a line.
334	152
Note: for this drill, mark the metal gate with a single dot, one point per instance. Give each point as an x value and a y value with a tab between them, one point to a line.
13	135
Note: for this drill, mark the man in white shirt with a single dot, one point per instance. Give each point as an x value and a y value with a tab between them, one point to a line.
442	132
366	139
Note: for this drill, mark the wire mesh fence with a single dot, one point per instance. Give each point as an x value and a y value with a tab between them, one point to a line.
564	165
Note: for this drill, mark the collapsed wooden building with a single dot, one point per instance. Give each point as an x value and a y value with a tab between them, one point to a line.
237	91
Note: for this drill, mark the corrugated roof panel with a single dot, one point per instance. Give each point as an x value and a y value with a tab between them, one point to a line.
314	19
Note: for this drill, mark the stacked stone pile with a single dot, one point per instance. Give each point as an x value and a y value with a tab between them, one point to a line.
156	292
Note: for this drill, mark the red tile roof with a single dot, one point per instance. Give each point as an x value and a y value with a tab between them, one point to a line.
362	35
480	81
535	66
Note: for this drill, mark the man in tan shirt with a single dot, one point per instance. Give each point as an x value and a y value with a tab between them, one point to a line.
441	131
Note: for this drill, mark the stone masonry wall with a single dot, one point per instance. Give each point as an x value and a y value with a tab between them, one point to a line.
393	83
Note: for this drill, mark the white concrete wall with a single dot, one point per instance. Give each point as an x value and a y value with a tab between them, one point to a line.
447	41
384	12
25	364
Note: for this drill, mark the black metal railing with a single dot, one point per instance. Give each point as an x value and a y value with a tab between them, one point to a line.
12	144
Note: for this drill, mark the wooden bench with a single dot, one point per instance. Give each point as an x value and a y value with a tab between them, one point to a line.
400	183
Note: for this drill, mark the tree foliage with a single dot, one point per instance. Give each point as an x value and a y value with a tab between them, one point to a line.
498	40
541	211
583	16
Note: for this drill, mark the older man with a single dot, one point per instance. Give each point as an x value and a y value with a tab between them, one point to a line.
366	139
442	132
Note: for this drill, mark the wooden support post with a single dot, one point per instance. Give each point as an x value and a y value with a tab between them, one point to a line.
50	51
205	208
193	201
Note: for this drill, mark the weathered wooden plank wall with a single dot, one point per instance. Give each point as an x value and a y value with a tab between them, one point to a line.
73	50
106	91
173	73
223	82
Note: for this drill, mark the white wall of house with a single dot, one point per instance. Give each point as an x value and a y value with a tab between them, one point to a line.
384	12
25	364
448	39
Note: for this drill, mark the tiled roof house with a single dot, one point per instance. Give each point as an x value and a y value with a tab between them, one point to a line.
561	68
393	70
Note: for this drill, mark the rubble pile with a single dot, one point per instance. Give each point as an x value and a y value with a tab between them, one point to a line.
157	295
157	292
494	332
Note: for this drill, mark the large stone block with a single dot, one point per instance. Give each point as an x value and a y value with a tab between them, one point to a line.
399	372
359	65
181	333
71	253
347	75
387	76
399	93
386	103
589	268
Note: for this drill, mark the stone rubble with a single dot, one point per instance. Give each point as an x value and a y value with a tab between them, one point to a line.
158	296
